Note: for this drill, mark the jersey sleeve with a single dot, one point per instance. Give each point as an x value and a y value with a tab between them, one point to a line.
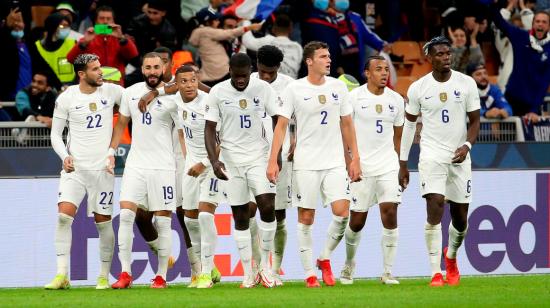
345	107
212	108
116	92
400	116
271	101
125	103
285	106
413	106
61	108
472	100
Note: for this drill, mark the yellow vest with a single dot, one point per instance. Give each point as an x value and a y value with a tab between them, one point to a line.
57	60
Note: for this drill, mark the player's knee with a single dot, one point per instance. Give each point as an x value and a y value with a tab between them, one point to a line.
280	215
356	225
127	216
64	219
99	218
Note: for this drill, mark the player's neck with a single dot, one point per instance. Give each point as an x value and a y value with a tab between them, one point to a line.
86	88
441	76
316	79
161	84
190	99
374	89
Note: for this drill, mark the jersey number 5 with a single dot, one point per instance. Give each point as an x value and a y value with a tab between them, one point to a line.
245	121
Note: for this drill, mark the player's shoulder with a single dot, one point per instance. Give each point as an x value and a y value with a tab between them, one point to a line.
135	87
394	96
220	86
68	95
257	83
284	78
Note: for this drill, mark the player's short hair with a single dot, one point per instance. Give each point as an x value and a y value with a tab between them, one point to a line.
82	60
240	60
438	40
270	56
309	49
282	21
151	54
163	49
370	59
185	69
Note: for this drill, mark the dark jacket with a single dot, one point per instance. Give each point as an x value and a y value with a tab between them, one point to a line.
42	104
147	36
10	67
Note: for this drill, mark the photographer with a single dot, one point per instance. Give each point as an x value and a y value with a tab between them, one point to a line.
106	40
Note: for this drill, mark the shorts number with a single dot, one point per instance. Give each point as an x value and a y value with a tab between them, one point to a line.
146	118
90	120
379	127
469	186
445	116
324	119
214	185
168	192
245	121
104	198
188	132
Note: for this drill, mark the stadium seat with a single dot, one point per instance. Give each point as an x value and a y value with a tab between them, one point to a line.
403	83
410	51
180	57
421	69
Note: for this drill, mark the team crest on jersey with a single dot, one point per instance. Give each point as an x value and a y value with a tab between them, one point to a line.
104	102
391	107
443	97
457	93
242	103
256	101
184	115
93	107
280	101
322	99
335	96
193	116
379	108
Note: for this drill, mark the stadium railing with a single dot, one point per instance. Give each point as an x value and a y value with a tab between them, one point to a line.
24	135
7	104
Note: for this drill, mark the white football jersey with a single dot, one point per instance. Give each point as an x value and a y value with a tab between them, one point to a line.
152	146
444	107
242	133
278	85
90	121
374	117
317	111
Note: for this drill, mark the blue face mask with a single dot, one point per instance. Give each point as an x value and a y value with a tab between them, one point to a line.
341	5
17	34
320	4
63	33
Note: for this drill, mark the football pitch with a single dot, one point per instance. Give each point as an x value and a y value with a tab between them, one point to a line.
531	290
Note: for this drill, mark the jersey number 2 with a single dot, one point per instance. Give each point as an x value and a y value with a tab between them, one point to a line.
324	114
90	120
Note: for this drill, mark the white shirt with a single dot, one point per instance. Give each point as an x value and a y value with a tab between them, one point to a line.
279	84
152	146
444	107
242	133
90	122
374	117
317	111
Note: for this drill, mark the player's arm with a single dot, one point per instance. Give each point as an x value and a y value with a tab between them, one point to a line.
213	154
397	133
292	136
471	136
56	136
167	89
279	133
407	138
118	130
350	145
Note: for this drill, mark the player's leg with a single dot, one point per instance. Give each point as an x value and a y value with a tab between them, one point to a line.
459	195
334	190
256	253
163	224
71	193
209	273
388	193
283	200
144	222
188	212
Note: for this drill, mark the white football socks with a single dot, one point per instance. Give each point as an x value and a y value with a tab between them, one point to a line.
126	239
194	229
305	245
432	235
267	233
164	229
279	243
455	240
352	243
208	241
335	233
389	247
106	246
256	253
154	245
244	245
63	238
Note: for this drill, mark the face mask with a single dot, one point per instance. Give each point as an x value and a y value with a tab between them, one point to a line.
17	34
341	5
63	33
321	4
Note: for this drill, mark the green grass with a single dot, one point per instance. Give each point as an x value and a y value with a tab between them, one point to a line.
533	290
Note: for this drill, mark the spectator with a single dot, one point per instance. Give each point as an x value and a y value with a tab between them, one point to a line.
465	49
114	49
230	22
493	103
166	57
36	102
151	29
49	55
67	10
282	28
208	38
17	68
530	75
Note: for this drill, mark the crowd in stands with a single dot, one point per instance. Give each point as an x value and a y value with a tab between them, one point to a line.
41	39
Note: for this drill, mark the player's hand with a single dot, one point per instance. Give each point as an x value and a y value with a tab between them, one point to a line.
68	164
403	177
146	100
460	154
196	170
290	156
354	170
219	170
111	164
272	172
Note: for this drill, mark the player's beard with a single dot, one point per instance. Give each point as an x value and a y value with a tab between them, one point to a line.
152	85
93	83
